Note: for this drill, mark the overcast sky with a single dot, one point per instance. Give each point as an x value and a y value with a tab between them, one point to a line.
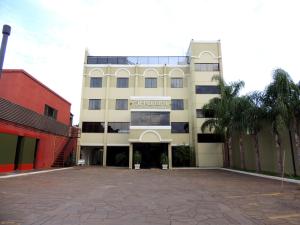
48	37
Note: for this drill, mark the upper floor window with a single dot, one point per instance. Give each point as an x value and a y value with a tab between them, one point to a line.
206	66
176	83
118	127
121	104
94	104
179	127
96	82
150	82
205	113
150	118
122	82
50	112
177	104
92	127
207	89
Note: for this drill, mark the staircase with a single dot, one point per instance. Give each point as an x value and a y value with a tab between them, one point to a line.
68	148
59	161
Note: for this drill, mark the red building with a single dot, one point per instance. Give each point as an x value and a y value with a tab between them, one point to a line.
35	124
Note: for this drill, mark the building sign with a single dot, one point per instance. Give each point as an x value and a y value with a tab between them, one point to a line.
150	104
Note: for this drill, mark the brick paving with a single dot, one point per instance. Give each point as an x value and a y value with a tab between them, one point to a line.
109	196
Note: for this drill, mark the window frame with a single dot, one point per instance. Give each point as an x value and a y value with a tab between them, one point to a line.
182	131
93	127
174	106
207	89
91	106
52	111
207	67
92	84
174	85
119	83
120	108
122	130
151	79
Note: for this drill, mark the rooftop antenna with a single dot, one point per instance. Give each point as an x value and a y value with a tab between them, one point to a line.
6	32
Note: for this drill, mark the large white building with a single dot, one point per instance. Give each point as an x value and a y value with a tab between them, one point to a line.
150	104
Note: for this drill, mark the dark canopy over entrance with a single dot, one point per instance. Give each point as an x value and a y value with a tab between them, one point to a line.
151	153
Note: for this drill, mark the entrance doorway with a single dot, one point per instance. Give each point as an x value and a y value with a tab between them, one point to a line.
151	153
92	155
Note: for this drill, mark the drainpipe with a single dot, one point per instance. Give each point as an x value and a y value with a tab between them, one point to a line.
6	32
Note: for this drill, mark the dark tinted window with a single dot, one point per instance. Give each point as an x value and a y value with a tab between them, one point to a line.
118	127
50	112
121	104
210	138
150	82
95	82
206	66
122	82
207	89
150	118
180	127
177	104
92	127
205	113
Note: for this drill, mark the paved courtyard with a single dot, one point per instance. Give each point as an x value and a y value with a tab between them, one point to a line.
119	197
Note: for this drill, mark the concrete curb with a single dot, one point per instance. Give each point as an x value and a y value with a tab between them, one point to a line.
263	176
196	168
32	173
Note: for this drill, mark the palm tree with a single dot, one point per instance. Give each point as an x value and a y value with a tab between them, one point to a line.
222	107
241	107
280	101
255	116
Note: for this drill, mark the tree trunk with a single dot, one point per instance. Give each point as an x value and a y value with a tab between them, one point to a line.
279	153
242	152
225	155
257	153
297	145
230	152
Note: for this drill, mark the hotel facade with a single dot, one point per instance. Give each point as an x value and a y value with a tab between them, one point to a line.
150	104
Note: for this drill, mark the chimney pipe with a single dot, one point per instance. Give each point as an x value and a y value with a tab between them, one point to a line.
6	32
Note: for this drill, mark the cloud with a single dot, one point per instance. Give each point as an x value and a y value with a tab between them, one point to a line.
48	37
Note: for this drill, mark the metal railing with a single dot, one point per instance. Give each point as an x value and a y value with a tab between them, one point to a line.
135	60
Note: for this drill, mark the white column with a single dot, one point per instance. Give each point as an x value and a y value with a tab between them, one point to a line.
104	155
170	155
130	155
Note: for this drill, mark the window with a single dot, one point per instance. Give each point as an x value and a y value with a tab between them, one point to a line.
150	118
176	82
206	66
118	127
50	112
207	89
122	82
121	104
210	138
179	127
94	104
205	113
96	82
177	104
92	127
150	82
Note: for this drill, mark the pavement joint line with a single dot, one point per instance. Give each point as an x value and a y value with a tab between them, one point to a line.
284	216
254	195
32	173
263	176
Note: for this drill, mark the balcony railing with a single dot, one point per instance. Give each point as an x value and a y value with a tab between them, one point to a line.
138	60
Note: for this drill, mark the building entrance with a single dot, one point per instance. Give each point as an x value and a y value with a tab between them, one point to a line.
151	153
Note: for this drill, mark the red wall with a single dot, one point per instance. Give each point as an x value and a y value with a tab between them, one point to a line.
48	148
21	88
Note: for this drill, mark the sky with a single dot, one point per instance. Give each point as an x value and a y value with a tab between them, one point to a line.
49	37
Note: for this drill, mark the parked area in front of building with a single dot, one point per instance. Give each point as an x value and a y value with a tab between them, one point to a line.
94	195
